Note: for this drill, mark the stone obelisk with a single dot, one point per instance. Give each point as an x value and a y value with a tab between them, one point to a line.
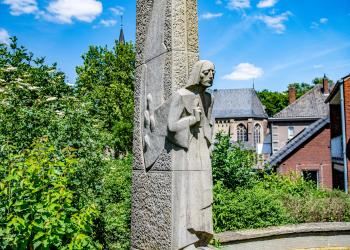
167	48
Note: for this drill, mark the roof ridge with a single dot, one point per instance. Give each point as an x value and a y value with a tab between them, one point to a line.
306	134
297	101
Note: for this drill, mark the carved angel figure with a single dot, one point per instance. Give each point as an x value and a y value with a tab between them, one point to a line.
190	130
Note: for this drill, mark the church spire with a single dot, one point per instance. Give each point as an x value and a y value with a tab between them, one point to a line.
121	35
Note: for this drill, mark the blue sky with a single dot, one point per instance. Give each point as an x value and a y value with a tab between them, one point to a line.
274	42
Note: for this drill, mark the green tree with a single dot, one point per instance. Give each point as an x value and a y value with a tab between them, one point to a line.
273	101
301	88
232	164
32	96
37	209
319	80
36	102
106	81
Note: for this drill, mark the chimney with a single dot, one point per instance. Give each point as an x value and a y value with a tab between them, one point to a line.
325	85
292	94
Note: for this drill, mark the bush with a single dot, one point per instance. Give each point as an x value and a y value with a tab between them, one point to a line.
232	165
277	200
244	199
113	225
36	102
247	208
37	208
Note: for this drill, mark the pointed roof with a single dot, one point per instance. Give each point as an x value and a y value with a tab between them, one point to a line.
121	36
237	103
298	141
310	105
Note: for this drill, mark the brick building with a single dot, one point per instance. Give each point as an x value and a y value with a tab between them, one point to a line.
308	153
300	136
298	115
339	101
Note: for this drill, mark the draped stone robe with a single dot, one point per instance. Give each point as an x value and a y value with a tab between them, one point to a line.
193	174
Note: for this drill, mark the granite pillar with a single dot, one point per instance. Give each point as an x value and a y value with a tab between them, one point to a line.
167	48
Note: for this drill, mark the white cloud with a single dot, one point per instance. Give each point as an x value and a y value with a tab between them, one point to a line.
244	71
238	4
209	15
316	25
118	10
276	22
324	20
218	2
63	11
266	3
4	36
19	7
318	66
108	23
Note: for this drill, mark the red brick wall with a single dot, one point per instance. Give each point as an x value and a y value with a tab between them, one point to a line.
315	154
347	117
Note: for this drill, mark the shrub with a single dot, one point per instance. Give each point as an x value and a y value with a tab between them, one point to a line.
244	199
247	208
113	225
232	164
37	208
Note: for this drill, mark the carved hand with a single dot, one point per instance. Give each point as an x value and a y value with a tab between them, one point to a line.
197	113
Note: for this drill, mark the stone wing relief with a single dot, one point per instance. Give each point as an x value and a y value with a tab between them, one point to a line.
155	131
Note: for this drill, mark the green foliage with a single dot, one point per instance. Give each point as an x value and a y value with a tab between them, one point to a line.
37	209
273	101
232	165
113	226
301	88
244	199
36	102
277	200
247	208
30	97
319	80
106	81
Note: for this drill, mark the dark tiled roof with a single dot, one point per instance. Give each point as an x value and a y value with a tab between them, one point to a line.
298	140
310	105
237	103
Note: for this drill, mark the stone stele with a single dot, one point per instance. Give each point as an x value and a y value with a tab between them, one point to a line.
171	182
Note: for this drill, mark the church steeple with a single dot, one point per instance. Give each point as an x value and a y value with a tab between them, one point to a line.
121	35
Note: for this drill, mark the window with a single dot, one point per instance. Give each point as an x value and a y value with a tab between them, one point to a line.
242	134
290	132
311	175
257	134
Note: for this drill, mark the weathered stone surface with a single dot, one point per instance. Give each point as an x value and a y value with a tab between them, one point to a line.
334	235
152	214
277	232
167	49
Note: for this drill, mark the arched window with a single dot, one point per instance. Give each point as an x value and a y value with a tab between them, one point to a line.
257	134
242	134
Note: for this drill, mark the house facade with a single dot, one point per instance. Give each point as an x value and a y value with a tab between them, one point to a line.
308	154
339	101
298	115
300	137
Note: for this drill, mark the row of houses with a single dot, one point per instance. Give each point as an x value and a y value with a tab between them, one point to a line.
310	136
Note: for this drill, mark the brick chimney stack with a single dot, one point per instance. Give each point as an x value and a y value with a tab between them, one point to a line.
292	94
325	85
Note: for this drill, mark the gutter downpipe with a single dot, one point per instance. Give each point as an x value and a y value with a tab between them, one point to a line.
345	160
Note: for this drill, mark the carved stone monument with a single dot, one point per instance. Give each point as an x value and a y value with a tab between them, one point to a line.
172	183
